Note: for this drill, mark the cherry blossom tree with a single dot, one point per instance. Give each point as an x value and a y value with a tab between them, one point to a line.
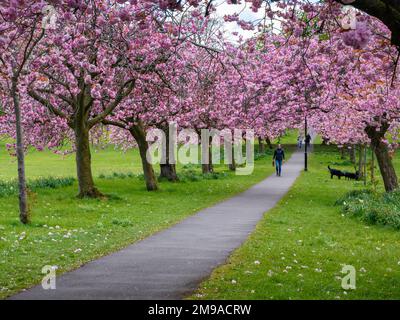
91	65
21	30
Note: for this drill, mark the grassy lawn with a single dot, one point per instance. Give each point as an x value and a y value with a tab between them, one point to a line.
67	232
300	247
46	163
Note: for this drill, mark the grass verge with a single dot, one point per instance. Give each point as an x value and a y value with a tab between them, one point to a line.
67	232
300	247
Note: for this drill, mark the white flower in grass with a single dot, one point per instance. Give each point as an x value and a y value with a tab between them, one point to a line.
318	270
295	261
398	262
257	262
285	271
78	250
362	269
270	273
234	281
377	248
300	275
252	291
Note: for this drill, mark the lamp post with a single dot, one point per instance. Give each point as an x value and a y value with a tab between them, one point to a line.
306	144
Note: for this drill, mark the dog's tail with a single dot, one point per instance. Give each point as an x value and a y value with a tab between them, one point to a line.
329	167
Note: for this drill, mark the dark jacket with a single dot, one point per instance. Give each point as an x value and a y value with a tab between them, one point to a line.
279	154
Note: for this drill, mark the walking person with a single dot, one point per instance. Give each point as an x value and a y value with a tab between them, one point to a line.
299	141
308	140
278	159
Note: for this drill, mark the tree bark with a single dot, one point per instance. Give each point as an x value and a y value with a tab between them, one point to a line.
208	168
232	165
87	187
372	167
139	134
342	153
23	198
261	148
352	152
381	151
168	170
268	141
361	160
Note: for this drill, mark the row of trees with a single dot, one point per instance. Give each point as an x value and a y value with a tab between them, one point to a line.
118	68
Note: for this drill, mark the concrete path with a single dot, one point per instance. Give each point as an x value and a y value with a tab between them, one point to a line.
172	263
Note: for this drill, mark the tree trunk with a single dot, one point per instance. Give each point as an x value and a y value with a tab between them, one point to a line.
139	134
208	168
352	152
372	167
23	198
261	148
342	153
361	160
87	188
232	165
269	144
168	170
382	155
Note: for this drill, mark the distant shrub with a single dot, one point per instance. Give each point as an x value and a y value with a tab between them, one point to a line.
268	153
8	188
373	208
117	175
50	183
193	176
122	222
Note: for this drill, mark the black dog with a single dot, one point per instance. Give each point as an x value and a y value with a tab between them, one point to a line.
352	176
335	172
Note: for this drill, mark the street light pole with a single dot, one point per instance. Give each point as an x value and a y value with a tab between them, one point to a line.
306	144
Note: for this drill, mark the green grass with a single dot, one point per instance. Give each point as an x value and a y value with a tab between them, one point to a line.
299	248
372	207
46	163
68	232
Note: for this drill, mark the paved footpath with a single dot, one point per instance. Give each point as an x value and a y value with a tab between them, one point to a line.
172	263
